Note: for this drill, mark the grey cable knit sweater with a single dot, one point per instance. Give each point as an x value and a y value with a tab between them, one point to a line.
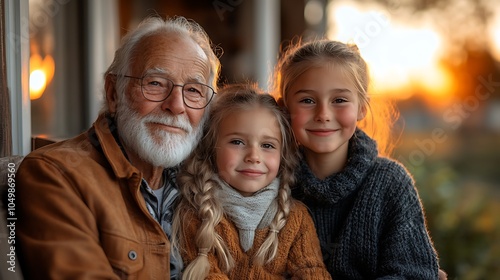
369	218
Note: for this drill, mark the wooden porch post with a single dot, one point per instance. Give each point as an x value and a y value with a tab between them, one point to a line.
5	117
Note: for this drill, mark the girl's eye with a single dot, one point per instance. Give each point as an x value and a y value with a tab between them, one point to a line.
236	142
307	101
268	146
339	100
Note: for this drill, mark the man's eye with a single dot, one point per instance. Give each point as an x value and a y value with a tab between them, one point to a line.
192	89
155	82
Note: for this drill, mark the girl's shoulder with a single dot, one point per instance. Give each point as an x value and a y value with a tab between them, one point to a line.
298	206
299	216
390	168
299	211
388	178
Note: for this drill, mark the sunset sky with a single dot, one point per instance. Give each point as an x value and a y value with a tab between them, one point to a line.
407	49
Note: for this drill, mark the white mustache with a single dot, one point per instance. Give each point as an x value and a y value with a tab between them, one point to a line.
174	121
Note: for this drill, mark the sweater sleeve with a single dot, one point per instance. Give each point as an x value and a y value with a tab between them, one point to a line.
305	260
405	245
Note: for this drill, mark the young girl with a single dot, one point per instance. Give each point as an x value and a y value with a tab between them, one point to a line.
236	218
366	209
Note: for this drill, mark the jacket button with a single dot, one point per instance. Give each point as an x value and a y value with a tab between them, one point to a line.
132	255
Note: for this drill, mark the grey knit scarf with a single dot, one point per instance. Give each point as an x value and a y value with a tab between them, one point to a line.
248	213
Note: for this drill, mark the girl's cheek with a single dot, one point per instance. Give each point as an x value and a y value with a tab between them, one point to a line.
346	116
298	131
296	117
298	120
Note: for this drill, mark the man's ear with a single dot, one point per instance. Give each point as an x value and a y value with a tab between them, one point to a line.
111	95
362	112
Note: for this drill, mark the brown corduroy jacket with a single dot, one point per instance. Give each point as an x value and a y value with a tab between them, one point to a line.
299	255
81	214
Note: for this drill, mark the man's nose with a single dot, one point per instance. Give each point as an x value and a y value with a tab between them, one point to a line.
175	101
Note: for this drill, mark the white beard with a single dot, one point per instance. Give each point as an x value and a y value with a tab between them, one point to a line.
158	148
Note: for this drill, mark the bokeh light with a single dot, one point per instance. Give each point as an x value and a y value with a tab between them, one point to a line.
41	74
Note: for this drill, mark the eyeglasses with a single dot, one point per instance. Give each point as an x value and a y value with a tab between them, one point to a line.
156	88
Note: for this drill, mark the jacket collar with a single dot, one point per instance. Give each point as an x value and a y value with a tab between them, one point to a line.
105	131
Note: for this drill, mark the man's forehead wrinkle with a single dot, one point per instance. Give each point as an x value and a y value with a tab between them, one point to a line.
198	70
178	56
158	62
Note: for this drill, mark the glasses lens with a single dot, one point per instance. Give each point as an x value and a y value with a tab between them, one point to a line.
197	95
156	88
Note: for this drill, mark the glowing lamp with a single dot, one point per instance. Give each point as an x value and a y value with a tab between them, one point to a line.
42	72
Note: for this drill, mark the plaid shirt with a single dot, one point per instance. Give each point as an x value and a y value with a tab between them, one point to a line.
163	211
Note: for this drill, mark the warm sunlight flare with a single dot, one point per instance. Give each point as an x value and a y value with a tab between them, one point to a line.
41	73
494	30
403	60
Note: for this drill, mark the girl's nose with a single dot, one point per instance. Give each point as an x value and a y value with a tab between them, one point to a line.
323	113
253	155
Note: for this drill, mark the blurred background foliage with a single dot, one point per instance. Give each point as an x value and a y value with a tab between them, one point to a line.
463	220
462	209
458	177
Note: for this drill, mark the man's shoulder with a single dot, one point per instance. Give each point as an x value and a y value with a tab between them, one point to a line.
72	145
76	149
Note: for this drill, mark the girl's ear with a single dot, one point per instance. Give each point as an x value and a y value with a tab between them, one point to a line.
111	95
362	112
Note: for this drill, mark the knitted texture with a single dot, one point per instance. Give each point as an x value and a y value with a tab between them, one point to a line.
247	212
298	257
369	217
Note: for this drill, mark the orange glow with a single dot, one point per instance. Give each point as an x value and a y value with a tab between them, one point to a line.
436	81
403	60
496	39
38	81
495	36
41	74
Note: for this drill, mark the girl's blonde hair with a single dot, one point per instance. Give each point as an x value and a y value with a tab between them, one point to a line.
300	57
198	188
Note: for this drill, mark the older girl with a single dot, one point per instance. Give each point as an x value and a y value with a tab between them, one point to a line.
365	207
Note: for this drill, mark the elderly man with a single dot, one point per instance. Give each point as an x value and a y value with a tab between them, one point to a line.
99	206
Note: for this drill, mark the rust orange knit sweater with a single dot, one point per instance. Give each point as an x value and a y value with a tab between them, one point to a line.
299	255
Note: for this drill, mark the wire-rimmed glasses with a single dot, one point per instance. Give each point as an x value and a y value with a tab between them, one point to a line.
157	88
